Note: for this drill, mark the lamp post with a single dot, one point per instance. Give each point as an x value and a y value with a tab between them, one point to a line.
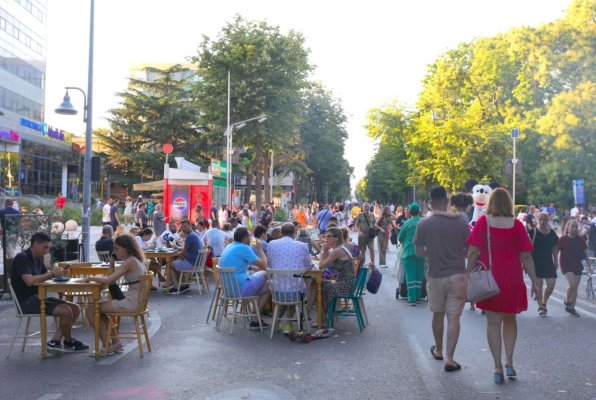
66	108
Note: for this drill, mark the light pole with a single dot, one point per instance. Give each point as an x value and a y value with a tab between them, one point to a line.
66	108
514	160
229	139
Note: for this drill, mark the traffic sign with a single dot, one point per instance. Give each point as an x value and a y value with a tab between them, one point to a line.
515	134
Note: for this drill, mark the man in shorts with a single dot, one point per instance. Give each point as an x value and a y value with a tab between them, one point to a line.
240	256
441	238
27	270
364	222
187	258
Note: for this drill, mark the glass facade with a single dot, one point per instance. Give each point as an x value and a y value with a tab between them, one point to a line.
41	168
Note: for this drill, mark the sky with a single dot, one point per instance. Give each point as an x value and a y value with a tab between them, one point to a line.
367	53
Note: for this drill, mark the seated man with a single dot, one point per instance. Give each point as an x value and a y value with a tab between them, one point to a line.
169	237
260	235
240	256
105	242
27	270
215	238
287	253
188	256
275	234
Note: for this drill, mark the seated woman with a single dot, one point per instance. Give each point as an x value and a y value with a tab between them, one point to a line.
335	254
143	240
304	237
126	249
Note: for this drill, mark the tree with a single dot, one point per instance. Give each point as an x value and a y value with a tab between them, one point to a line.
268	72
153	113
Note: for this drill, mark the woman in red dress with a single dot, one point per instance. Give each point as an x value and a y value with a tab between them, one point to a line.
510	246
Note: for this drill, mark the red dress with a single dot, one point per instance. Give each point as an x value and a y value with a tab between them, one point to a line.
506	246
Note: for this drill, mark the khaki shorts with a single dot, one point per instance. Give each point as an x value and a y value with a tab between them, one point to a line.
364	242
447	294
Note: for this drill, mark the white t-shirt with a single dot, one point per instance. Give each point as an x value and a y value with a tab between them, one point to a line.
215	238
574	212
106	213
166	236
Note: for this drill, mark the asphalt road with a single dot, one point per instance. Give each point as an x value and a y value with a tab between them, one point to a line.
554	358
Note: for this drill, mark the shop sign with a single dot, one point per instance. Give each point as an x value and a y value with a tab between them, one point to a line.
11	135
219	168
45	129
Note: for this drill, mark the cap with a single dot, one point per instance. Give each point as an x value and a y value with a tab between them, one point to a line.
414	207
140	196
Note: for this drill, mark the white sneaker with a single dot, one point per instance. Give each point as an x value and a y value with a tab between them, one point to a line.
382	266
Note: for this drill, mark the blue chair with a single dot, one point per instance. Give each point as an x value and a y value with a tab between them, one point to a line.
355	297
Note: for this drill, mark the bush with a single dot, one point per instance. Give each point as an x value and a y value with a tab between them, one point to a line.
96	216
74	213
280	215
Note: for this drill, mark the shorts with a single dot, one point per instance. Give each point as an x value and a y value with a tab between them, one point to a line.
253	286
182	265
447	294
364	242
32	306
576	272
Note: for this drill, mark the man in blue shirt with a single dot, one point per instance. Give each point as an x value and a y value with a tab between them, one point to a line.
188	256
239	255
323	218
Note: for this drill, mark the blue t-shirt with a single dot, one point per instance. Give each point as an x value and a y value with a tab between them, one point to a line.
193	243
324	216
240	256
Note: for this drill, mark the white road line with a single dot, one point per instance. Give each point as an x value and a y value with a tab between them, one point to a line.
153	328
49	396
422	360
578	305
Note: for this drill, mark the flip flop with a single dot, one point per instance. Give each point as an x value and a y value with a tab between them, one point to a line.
452	368
432	351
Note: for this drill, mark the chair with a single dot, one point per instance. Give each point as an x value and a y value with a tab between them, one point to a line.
198	271
285	291
20	316
104	256
231	295
215	300
138	317
355	296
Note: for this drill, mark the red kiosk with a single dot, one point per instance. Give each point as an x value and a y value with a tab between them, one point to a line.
185	187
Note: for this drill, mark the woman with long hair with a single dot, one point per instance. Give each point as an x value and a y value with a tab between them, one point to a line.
126	249
573	250
509	245
335	254
545	242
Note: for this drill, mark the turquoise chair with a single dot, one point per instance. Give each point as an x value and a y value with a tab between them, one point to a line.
355	297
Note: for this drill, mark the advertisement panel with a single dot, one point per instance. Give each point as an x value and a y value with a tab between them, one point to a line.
179	202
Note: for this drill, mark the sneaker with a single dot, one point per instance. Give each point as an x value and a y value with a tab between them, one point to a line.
254	325
287	329
53	345
184	288
573	312
568	308
382	266
74	345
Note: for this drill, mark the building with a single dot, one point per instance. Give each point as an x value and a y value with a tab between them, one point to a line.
36	159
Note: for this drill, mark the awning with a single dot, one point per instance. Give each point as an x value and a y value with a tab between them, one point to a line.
148	186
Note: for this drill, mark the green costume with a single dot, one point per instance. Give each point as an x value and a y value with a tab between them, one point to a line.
413	265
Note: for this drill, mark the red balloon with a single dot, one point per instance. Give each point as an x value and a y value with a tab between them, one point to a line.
167	148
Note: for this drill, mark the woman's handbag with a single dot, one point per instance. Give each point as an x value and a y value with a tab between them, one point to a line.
481	282
116	292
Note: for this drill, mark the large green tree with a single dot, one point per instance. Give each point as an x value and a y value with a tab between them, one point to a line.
152	113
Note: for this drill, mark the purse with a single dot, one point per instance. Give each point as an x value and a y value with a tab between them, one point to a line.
481	282
116	292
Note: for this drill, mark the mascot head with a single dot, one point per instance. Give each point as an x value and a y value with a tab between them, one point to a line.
480	193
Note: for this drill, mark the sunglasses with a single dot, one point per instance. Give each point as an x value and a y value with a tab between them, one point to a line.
327	236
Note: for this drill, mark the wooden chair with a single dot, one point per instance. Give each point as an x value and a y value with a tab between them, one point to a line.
355	297
215	300
138	317
285	291
104	256
198	272
21	316
231	296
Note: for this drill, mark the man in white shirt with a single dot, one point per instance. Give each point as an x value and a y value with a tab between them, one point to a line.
105	217
169	236
574	211
287	253
215	238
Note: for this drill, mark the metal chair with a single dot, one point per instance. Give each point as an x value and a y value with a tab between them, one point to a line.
355	297
198	271
231	295
138	317
286	290
20	316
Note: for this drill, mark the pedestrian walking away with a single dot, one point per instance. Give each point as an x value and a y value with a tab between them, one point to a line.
441	238
413	264
544	255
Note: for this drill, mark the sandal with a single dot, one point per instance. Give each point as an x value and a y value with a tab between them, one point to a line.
510	372
432	351
452	368
542	311
499	378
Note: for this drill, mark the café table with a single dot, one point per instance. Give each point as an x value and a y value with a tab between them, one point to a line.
66	287
167	255
317	274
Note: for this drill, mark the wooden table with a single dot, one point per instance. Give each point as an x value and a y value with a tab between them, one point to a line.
71	286
317	274
166	255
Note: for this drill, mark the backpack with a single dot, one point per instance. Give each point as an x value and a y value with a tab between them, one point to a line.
374	279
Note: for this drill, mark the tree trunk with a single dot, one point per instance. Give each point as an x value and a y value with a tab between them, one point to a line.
266	177
249	180
297	188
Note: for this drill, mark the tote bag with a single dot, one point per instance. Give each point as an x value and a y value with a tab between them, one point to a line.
481	282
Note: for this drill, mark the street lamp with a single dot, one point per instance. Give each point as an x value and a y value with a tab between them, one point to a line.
229	149
66	108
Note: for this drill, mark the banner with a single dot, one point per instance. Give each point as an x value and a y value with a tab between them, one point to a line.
578	192
179	202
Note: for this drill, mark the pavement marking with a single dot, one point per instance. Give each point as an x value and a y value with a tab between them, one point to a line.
49	396
422	360
153	328
581	308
